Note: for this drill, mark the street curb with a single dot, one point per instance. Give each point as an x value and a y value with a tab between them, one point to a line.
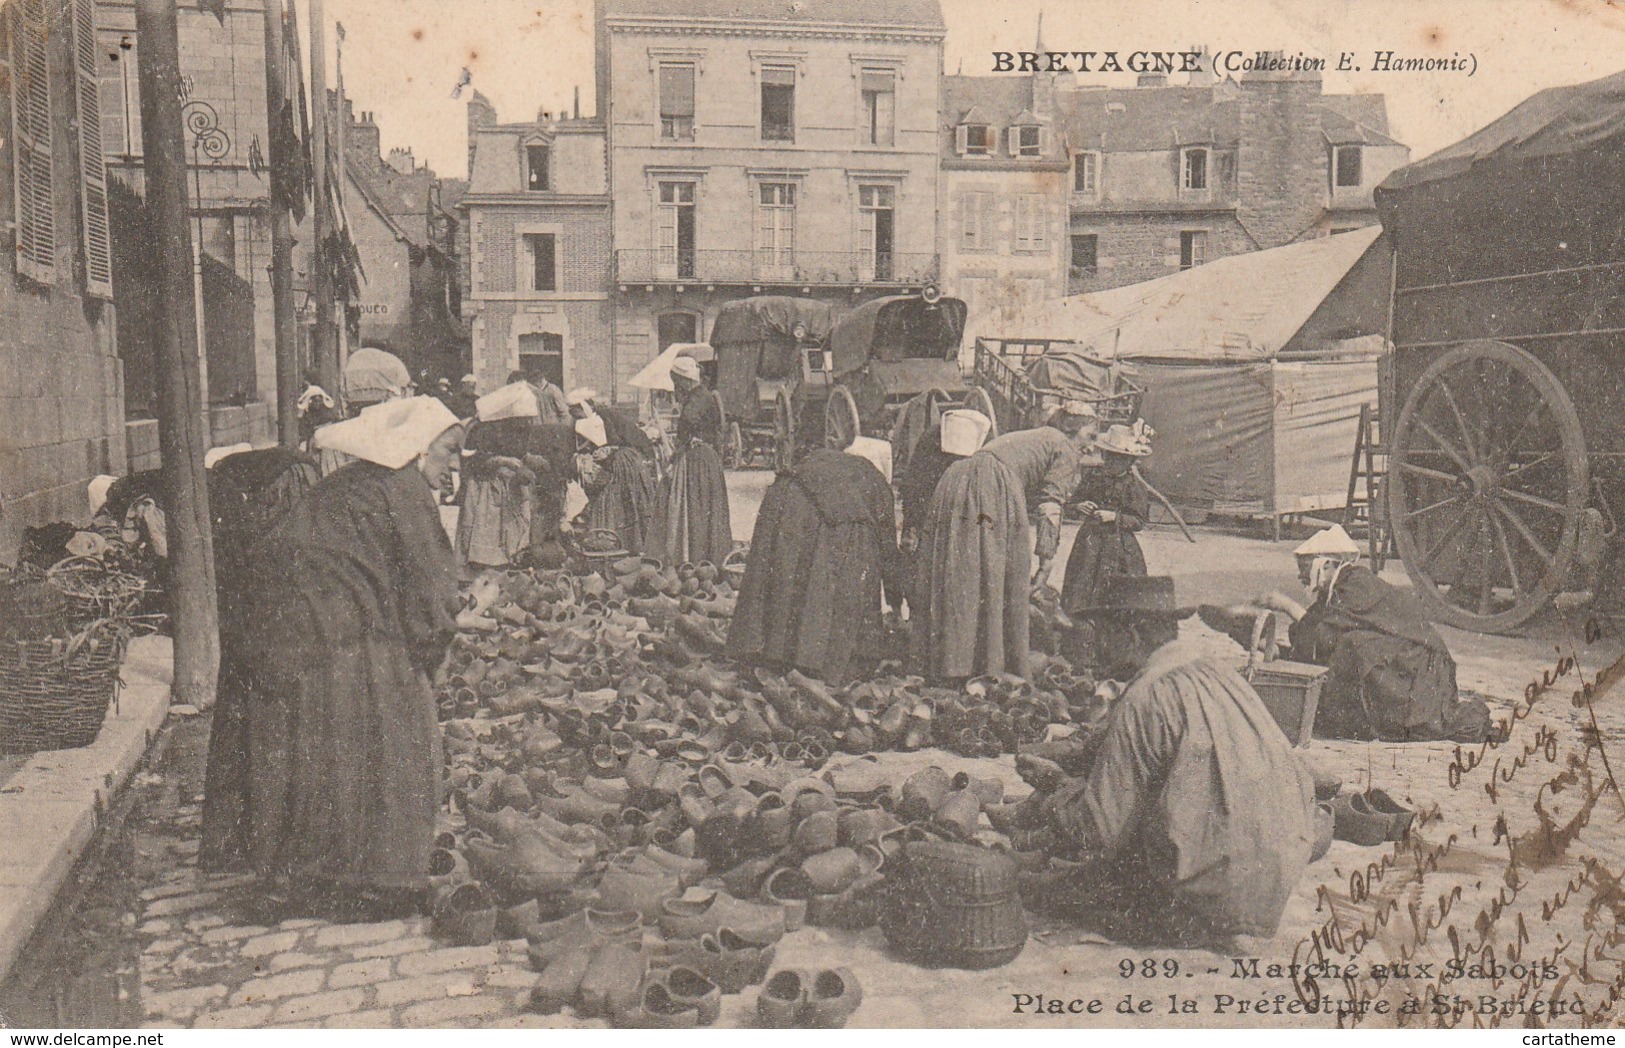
55	802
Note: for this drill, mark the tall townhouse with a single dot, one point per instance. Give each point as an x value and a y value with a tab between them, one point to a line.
765	147
539	261
61	410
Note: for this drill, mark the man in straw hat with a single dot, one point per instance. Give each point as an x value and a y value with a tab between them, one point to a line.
1194	818
974	569
1391	676
357	602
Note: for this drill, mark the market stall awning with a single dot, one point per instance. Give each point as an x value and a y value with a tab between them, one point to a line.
657	373
1239	308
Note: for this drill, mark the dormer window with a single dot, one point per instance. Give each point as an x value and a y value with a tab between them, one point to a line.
537	178
1346	167
1027	141
1193	168
978	139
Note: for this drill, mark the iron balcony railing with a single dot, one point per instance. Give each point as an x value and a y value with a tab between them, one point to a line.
646	265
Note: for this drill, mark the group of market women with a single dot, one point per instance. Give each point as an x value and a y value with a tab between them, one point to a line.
324	765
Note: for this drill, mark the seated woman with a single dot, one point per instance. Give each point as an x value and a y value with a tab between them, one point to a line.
1391	676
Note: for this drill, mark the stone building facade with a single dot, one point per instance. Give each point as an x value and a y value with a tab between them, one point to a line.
760	148
1164	177
223	78
61	412
539	250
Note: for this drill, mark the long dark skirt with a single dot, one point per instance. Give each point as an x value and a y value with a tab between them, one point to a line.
493	526
1099	552
974	568
696	525
811	596
626	502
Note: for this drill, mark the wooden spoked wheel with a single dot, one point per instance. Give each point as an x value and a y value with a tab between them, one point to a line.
784	433
1487	484
841	422
977	399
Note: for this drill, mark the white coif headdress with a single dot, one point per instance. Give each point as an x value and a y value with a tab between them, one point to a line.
391	434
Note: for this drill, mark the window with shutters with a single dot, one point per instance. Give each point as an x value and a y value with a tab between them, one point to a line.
1030	224
975	232
1027	141
30	78
778	104
977	138
98	236
879	107
677	100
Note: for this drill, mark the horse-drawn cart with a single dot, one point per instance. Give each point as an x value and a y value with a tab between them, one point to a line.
1507	453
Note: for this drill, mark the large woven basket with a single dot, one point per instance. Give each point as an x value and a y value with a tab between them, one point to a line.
96	590
954	906
54	694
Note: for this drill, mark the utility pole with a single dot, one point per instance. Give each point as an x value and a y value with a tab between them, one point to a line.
286	323
181	438
326	347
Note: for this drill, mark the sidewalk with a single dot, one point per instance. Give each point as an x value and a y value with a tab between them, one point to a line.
53	803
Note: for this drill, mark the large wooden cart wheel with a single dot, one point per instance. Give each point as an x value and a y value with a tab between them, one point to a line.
784	433
1488	481
841	422
733	446
722	419
977	399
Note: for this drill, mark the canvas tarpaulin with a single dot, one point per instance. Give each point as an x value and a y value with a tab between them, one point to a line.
1254	439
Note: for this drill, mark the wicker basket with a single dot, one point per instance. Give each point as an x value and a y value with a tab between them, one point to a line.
955	906
96	591
54	694
32	606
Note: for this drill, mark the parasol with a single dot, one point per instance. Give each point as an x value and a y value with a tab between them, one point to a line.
657	373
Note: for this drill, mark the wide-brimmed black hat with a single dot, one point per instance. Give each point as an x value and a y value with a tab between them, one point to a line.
1136	596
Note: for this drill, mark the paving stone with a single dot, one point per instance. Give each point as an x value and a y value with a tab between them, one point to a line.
394	948
512	978
360	934
276	942
450	958
180	1004
376	1019
275	987
182	885
299	923
522	1022
423	988
359	973
296	959
181	904
157	926
233	932
186	847
233	1018
204	922
163	946
320	1005
453	1010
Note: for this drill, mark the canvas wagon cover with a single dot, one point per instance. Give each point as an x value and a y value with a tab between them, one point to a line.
883	326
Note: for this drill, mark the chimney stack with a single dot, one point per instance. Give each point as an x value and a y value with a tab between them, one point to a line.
575	110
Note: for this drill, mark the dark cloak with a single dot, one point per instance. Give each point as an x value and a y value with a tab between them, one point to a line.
1392	677
823	551
1101	550
355	594
695	524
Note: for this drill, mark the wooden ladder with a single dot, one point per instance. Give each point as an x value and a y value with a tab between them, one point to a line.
1364	509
